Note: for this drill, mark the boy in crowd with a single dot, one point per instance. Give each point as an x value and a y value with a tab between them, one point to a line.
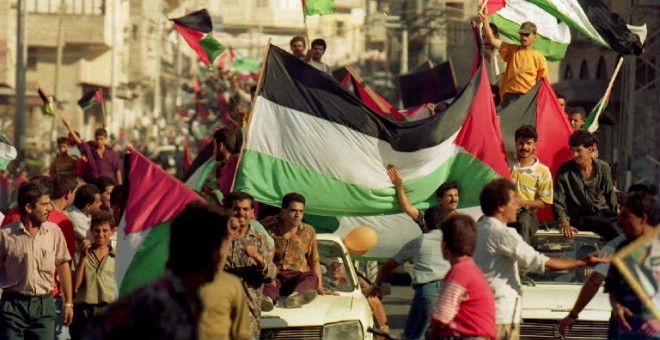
63	164
577	117
94	276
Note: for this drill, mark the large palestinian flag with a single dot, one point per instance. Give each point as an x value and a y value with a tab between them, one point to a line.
154	198
196	29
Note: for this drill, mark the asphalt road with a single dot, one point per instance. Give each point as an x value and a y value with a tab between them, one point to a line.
397	305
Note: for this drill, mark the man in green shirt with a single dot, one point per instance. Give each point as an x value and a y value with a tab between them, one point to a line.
584	192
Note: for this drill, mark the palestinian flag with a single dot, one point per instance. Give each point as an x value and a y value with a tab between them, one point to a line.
91	98
310	135
539	107
318	7
592	118
594	19
47	107
196	29
553	37
428	85
7	152
245	65
154	198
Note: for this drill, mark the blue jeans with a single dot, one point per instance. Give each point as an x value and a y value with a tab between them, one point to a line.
61	331
421	307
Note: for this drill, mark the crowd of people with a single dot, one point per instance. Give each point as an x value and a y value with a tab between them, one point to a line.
57	244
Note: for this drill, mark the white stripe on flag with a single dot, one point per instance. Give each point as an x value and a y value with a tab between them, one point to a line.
520	11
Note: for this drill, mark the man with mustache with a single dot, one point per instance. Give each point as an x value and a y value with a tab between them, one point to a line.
533	182
524	66
447	196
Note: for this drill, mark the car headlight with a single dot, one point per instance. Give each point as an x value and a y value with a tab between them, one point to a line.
343	330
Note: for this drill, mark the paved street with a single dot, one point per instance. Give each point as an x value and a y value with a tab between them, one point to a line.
396	306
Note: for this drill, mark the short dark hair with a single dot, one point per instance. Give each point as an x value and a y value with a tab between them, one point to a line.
237	196
640	203
459	234
495	194
526	132
641	187
581	138
446	186
319	42
560	95
85	195
63	140
434	216
231	138
494	28
29	193
292	197
297	38
101	132
102	216
576	110
62	185
46	181
210	221
102	182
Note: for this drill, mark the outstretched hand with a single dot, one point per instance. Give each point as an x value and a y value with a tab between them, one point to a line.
592	259
395	176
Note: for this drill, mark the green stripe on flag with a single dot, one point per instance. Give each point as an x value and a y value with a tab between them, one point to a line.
265	177
592	118
212	47
319	7
552	50
148	264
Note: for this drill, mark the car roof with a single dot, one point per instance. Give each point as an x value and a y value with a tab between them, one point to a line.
556	232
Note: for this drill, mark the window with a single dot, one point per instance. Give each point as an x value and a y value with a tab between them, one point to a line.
584	70
568	73
85	7
601	69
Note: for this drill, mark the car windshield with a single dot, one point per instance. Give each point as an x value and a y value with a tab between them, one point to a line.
335	268
559	247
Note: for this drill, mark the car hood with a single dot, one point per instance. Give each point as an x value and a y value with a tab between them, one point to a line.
555	301
322	310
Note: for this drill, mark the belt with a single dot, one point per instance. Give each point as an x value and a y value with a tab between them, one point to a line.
417	285
18	296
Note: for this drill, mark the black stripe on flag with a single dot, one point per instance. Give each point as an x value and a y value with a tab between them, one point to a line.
292	83
611	27
198	21
518	113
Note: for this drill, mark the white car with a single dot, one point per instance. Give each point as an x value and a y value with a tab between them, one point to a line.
345	316
548	298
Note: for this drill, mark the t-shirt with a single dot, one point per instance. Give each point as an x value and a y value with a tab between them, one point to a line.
524	68
465	304
533	182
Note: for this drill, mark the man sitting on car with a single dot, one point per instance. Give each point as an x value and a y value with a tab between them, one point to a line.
296	256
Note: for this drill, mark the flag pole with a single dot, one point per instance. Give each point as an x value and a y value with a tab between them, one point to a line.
250	115
102	108
609	87
369	91
306	29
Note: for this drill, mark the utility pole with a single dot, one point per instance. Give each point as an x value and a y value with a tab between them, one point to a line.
21	66
58	64
404	49
113	68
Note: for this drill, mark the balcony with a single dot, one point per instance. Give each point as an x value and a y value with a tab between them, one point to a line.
84	22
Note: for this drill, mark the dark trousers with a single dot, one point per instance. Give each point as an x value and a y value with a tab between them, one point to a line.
83	313
526	224
603	223
25	317
289	281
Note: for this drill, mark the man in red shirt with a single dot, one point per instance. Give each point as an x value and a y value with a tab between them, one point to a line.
466	306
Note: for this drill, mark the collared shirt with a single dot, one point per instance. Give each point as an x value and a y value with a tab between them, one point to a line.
81	222
575	197
105	165
27	263
533	182
253	278
260	228
524	68
226	314
498	252
425	251
63	165
98	284
159	310
296	253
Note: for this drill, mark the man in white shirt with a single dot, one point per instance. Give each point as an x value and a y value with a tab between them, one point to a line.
315	54
87	201
500	250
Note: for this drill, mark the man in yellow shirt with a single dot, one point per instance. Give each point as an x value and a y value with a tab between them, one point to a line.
524	65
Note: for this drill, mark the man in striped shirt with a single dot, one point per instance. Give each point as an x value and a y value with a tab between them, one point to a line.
30	250
533	182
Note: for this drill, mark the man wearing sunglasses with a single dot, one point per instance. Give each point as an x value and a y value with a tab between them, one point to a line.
524	65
